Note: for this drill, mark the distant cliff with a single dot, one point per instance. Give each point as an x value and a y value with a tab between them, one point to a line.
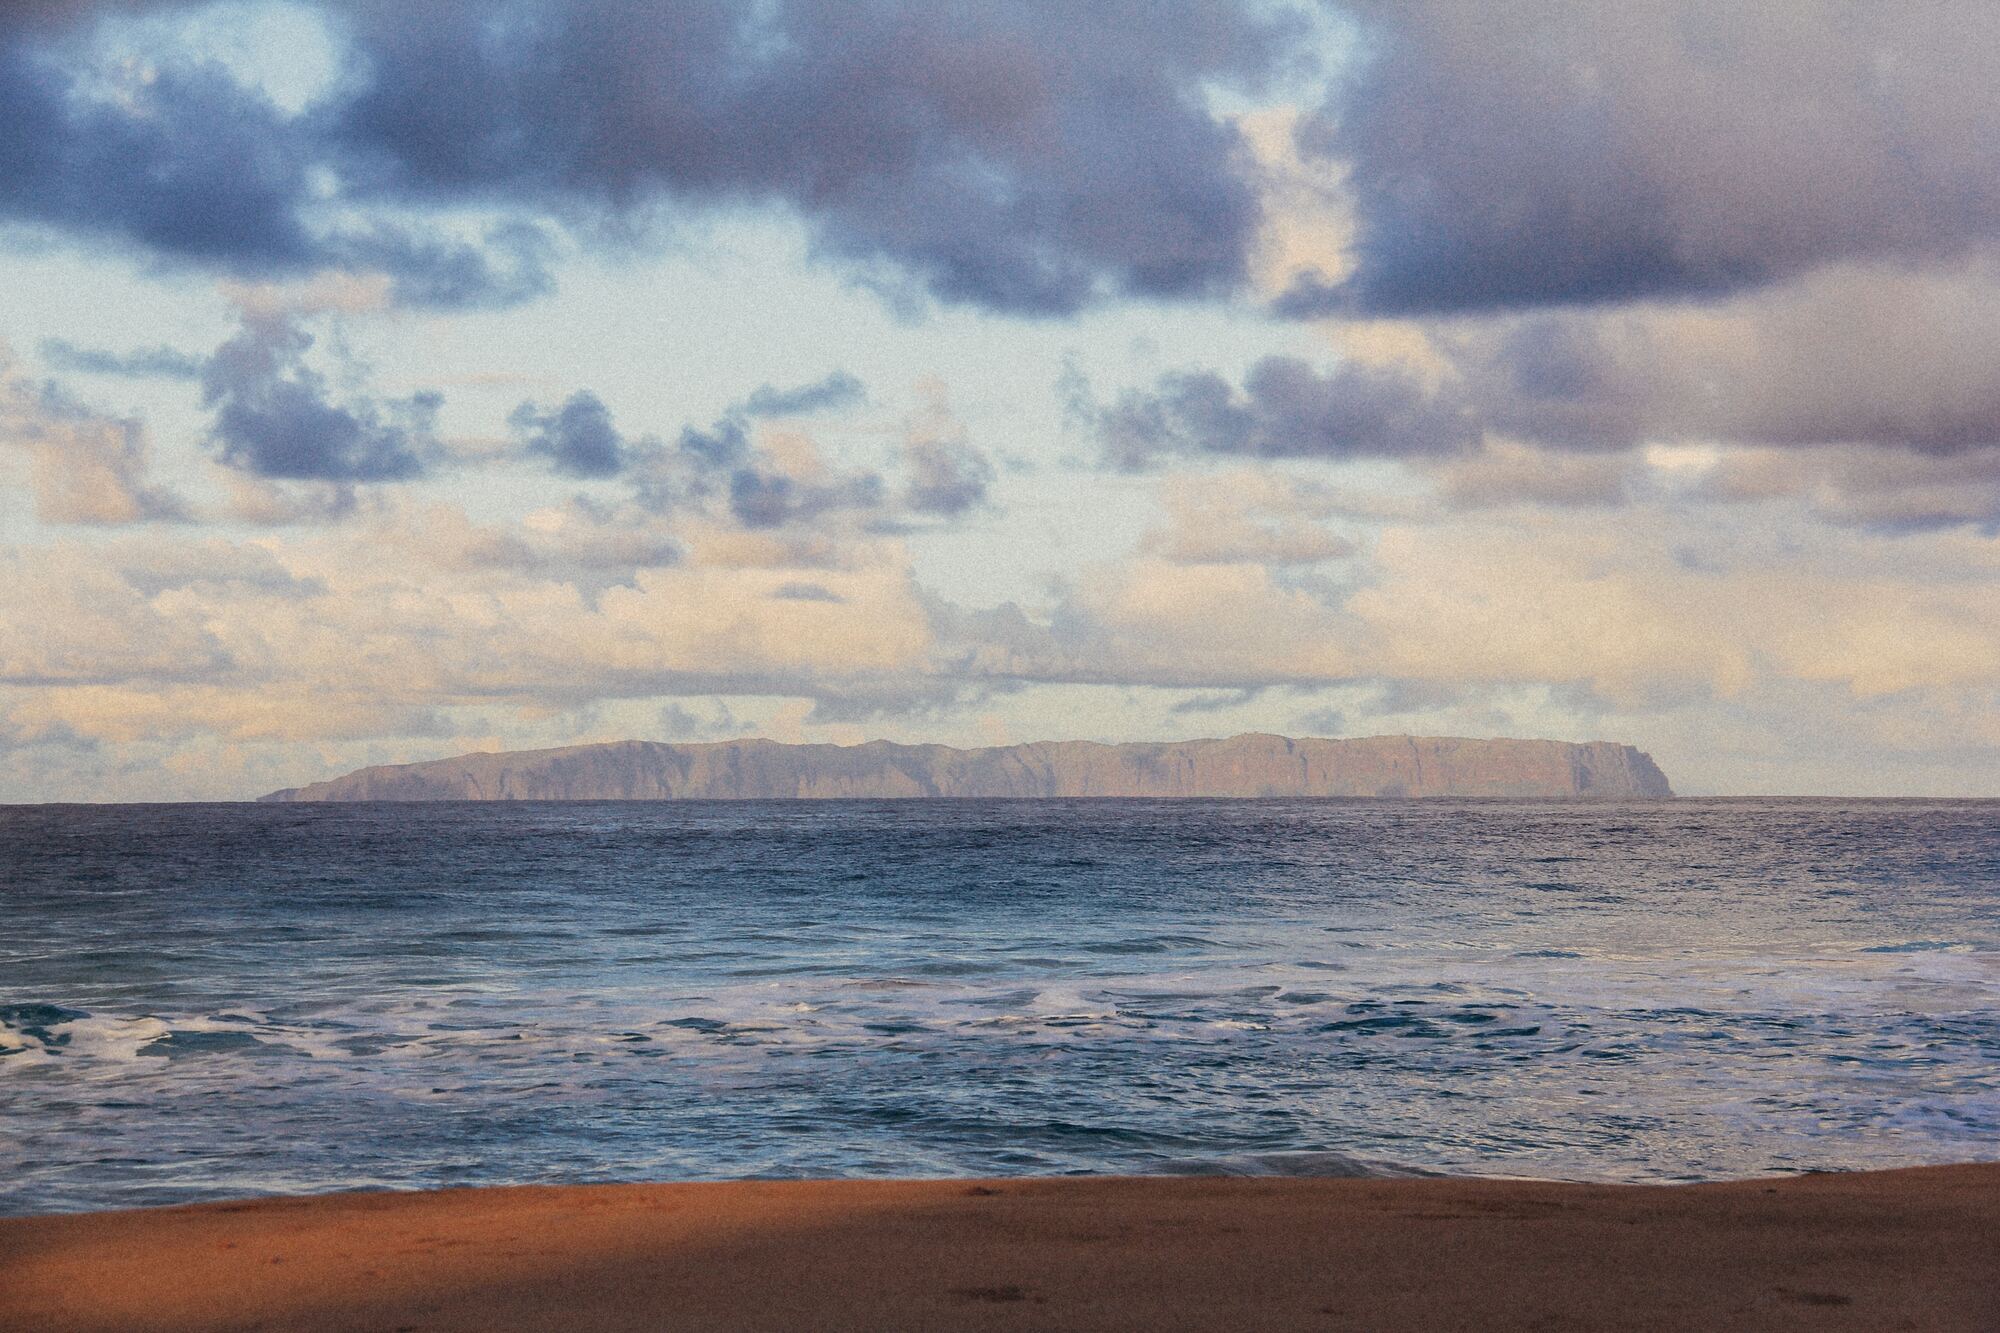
1251	765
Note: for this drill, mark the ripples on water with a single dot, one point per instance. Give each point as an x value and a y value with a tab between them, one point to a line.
204	1001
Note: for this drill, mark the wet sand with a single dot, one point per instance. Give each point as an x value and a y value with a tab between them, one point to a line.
1913	1249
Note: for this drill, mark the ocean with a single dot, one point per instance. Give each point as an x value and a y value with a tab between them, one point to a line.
207	1001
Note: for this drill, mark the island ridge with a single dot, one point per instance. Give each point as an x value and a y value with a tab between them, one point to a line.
1241	766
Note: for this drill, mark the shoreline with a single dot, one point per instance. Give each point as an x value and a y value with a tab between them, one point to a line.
1916	1248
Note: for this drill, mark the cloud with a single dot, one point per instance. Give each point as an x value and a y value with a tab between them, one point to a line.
173	158
1320	722
1894	491
776	478
1875	385
1008	155
69	617
85	467
1600	231
577	438
372	625
679	723
407	622
143	363
1215	626
1569	407
949	475
180	160
761	496
805	592
1506	473
1246	516
1538	153
725	443
1848	356
838	389
285	504
1286	409
507	265
576	543
902	698
1597	603
56	735
1214	703
209	564
273	417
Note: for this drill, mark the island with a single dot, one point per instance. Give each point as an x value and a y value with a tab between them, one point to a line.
1254	765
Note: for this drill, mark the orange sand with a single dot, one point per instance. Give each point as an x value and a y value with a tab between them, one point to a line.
1891	1250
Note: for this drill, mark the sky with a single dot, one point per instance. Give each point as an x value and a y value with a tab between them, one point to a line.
380	382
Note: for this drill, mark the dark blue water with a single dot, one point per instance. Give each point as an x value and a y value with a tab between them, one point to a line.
203	1001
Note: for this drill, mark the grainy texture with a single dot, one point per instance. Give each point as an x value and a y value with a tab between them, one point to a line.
1915	1249
1249	765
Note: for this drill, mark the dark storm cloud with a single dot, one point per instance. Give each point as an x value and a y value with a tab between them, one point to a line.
144	363
191	167
188	165
578	438
1023	157
838	389
1019	156
1285	409
1523	153
274	417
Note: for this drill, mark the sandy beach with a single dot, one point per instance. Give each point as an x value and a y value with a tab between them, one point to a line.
1916	1249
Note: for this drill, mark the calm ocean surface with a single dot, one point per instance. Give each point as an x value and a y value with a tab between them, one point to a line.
205	1001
